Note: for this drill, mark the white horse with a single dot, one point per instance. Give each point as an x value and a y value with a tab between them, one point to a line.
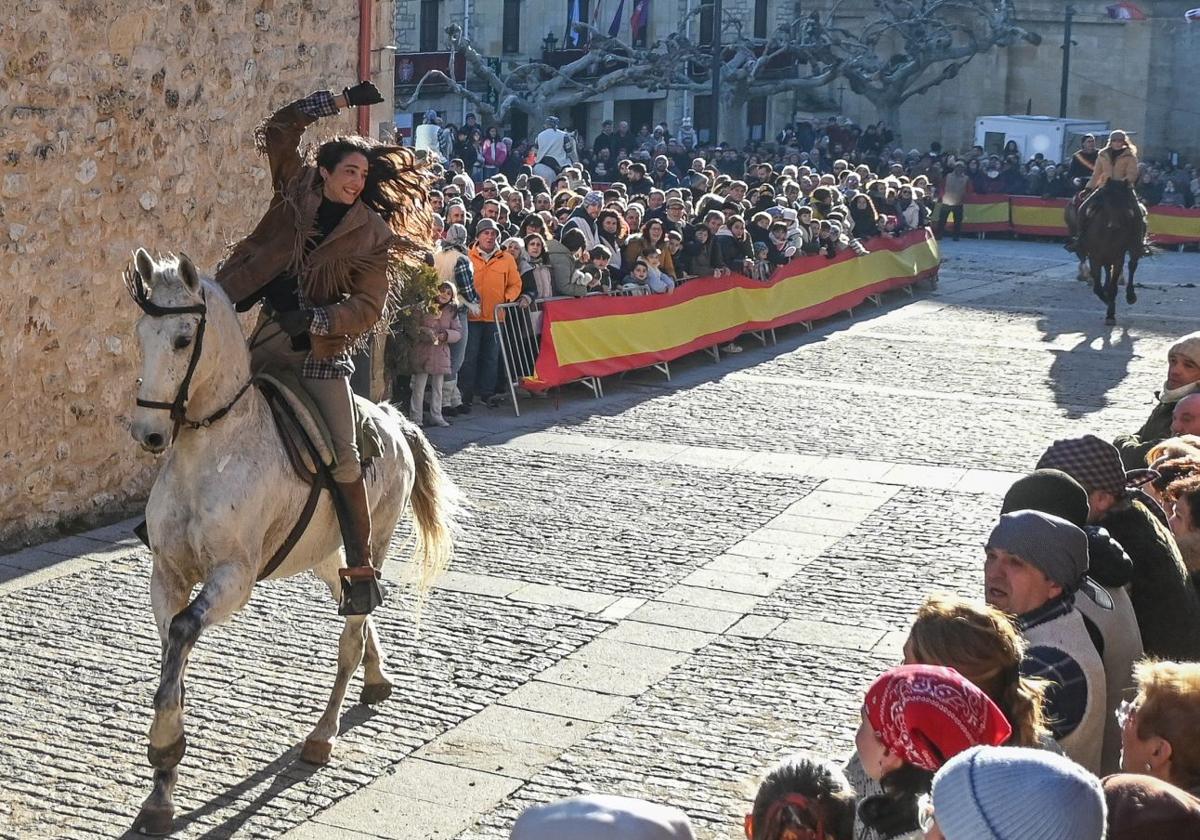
226	499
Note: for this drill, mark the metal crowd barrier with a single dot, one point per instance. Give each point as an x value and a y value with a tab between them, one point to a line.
520	333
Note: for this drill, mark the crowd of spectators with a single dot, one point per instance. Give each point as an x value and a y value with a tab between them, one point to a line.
817	145
1063	705
515	236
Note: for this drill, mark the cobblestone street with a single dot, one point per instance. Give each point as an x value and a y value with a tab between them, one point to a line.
657	594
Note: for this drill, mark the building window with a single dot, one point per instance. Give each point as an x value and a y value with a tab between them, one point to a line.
510	37
431	25
756	117
702	118
706	25
760	18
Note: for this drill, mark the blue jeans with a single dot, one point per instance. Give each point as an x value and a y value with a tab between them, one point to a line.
481	363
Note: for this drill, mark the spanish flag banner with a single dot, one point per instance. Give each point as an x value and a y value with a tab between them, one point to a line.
600	336
1038	216
1174	225
985	213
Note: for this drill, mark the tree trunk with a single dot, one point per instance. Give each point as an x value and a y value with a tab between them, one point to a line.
733	120
888	109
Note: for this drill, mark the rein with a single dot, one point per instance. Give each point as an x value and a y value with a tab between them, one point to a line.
178	406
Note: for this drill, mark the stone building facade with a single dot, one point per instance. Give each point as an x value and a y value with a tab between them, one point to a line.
1133	74
125	123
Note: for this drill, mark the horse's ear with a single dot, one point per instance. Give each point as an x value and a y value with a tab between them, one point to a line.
188	272
144	264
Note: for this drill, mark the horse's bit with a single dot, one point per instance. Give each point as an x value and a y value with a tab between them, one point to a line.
178	406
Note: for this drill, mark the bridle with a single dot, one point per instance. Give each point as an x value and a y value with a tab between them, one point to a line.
178	406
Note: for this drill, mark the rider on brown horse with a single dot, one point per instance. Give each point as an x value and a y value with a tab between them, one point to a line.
1116	161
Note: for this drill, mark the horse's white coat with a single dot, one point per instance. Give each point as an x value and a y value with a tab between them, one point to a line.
225	499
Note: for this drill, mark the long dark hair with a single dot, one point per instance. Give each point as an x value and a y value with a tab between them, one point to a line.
397	187
894	811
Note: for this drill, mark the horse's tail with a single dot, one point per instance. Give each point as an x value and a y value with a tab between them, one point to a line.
436	508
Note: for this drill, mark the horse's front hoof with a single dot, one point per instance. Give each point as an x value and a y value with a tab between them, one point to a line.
164	758
1130	295
155	821
316	753
373	693
1110	321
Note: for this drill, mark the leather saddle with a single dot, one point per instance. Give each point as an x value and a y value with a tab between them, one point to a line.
303	431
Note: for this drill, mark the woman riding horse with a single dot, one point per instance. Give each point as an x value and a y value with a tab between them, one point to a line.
319	262
1116	161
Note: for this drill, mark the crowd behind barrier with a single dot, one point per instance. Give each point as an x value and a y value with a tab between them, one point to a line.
595	336
1064	704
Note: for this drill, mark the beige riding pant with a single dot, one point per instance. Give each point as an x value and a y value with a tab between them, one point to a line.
273	348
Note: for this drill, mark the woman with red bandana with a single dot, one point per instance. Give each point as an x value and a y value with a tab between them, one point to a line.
915	719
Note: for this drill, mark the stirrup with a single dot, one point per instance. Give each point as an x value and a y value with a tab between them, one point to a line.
361	590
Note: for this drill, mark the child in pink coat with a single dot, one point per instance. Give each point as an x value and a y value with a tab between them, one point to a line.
431	355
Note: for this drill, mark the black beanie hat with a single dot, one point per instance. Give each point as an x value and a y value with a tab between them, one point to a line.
1049	491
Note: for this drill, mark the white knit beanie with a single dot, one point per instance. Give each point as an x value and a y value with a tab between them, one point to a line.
1016	793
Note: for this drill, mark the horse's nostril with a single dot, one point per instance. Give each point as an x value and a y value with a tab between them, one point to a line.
154	440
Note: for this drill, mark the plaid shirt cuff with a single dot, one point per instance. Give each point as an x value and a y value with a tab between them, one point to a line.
319	104
320	321
464	278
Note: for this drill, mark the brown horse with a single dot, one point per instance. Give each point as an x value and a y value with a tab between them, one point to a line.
1115	232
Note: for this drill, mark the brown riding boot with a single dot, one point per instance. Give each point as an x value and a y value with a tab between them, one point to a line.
361	590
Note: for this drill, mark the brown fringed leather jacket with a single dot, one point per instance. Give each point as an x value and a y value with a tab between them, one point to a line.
346	274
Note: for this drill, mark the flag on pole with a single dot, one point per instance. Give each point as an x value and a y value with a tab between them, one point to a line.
639	19
615	27
1125	11
1192	15
572	37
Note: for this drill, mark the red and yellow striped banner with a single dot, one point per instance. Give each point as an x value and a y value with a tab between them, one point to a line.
1038	216
1174	225
985	213
600	336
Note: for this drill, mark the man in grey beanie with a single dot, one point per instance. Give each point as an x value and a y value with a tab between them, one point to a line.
1035	564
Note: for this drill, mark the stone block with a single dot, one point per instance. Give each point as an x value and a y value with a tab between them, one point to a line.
553	699
827	635
657	636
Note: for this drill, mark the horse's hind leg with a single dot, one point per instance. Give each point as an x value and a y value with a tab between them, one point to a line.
1130	294
1110	294
377	686
222	594
319	744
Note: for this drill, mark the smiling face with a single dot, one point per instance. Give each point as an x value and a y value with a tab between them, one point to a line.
345	183
1015	586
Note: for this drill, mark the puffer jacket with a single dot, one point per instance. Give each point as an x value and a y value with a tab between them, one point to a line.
346	274
497	281
1123	167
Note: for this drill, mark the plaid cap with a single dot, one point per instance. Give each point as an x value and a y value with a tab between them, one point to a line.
1094	463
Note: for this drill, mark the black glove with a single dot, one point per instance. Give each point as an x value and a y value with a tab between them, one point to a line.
363	93
295	323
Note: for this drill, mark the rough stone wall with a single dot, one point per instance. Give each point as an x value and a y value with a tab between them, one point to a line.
123	123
